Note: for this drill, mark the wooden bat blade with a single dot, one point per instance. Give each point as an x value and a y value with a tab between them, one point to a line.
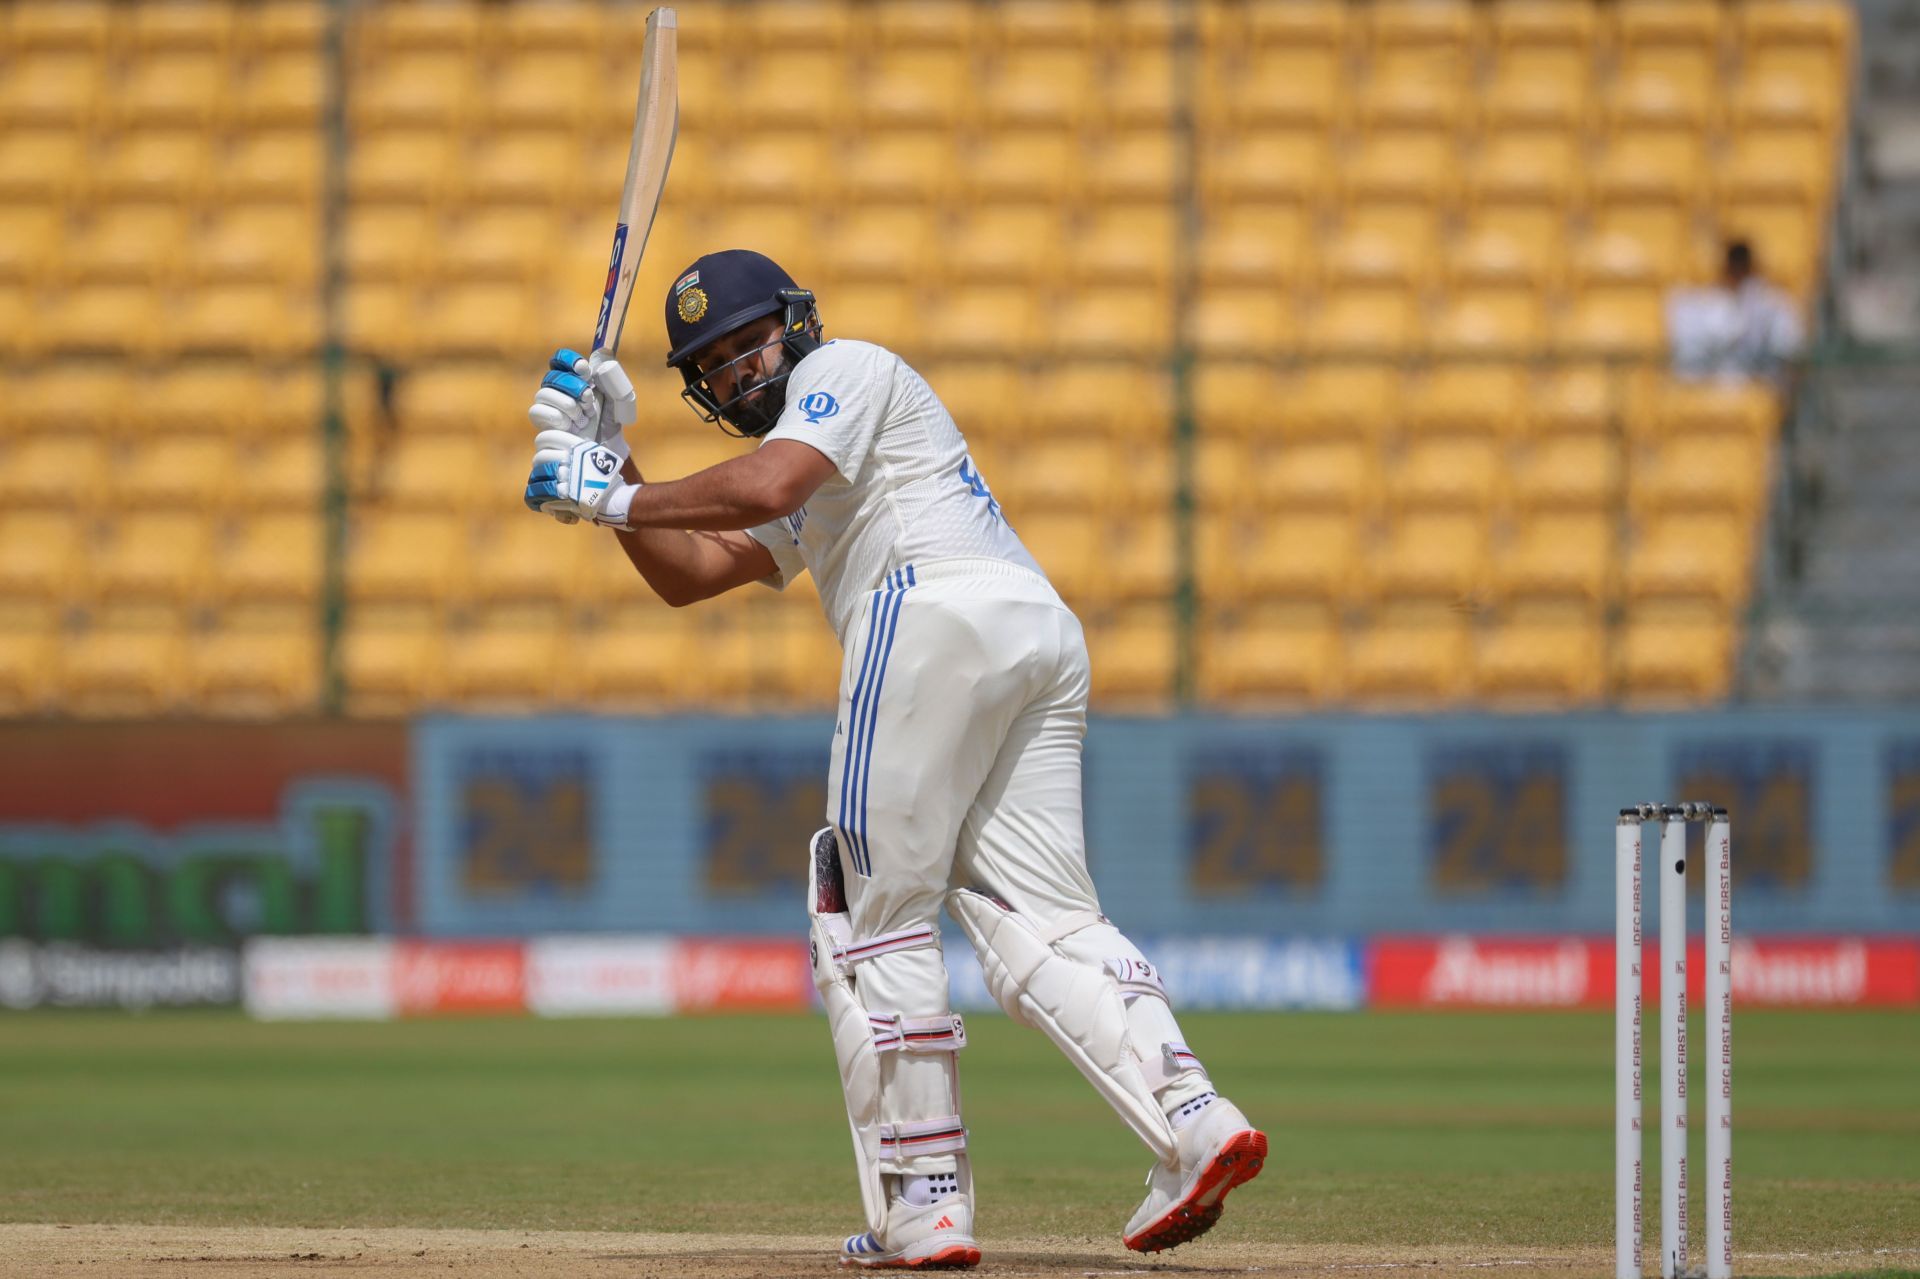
655	123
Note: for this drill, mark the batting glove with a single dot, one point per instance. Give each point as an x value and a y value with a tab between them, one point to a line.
575	479
587	396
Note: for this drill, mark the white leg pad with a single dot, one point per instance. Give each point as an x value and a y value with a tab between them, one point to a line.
1079	1005
860	1037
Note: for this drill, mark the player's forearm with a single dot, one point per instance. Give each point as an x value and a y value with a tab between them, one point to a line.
730	497
680	567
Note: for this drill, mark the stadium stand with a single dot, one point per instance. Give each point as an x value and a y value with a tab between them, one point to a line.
1408	261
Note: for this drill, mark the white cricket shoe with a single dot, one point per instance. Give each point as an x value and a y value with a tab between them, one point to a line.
940	1237
1219	1150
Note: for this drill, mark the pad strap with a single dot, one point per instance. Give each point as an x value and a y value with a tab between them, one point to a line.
1178	1057
922	1137
894	1033
886	943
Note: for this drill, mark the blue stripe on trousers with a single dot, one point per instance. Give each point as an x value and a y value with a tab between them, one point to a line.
857	717
879	682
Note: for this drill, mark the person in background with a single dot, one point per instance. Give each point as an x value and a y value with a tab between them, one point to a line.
1740	329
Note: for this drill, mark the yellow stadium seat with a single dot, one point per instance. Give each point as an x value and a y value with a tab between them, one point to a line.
263	319
1746	409
1663	98
288	473
387	243
170	166
1555	664
1059	475
1236	395
1362	322
1259	661
875	245
920	89
1324	476
1284	88
296	24
1140	165
561	24
453	28
539	89
1115	401
1277	168
1037	88
626	668
28	658
780	169
108	400
1019	244
1258	323
1612	322
1022	165
512	245
1529	99
516	169
411	166
1420	24
265	245
1667	660
1447	475
425	90
1695	473
1568	473
1301	555
1139	90
1788	98
152	557
1041	24
1219	472
1420	662
492	319
927	24
254	673
1342	401
1124	246
1669	24
109	672
1527	169
404	558
1691	557
224	396
41	553
805	92
887	313
1487	323
1650	168
1401	168
986	320
1141	565
1132	658
40	165
1571	25
274	558
1496	250
124	317
503	665
59	89
1360	254
271	166
1776	166
183	90
1613	255
897	168
1468	397
1413	104
1319	24
1068	548
38	26
985	399
1255	245
429	472
126	244
177	472
779	25
390	670
1559	556
159	28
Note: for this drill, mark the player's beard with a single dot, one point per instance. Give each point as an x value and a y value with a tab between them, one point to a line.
757	416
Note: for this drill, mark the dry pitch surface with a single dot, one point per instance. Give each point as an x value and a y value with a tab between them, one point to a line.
151	1252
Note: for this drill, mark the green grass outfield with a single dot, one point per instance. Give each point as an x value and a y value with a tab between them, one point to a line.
1405	1129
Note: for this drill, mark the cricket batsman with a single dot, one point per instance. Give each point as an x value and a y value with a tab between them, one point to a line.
956	752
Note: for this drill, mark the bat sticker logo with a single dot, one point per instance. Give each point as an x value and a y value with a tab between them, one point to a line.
613	281
819	405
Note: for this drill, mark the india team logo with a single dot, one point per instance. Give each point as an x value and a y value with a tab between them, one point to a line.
818	405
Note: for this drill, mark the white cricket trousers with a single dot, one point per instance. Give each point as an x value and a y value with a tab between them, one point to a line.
956	763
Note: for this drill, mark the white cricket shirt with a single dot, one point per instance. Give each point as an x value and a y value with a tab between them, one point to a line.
904	489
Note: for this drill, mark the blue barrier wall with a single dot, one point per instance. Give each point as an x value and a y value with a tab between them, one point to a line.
1332	827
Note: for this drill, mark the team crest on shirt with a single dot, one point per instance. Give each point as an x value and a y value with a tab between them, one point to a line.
818	405
692	304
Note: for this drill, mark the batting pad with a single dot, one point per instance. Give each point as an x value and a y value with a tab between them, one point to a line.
1078	1005
862	1035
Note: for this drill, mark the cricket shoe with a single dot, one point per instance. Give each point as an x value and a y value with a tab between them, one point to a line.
940	1235
1218	1150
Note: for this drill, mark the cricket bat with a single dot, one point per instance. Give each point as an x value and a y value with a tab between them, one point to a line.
655	122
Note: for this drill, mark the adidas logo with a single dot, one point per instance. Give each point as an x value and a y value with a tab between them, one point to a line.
945	1223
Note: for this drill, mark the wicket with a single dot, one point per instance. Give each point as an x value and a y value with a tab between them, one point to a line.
1629	1181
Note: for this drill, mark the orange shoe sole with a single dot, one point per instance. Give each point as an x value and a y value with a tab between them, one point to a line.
1238	1162
953	1257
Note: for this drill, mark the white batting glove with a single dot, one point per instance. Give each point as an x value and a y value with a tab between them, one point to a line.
587	396
575	479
